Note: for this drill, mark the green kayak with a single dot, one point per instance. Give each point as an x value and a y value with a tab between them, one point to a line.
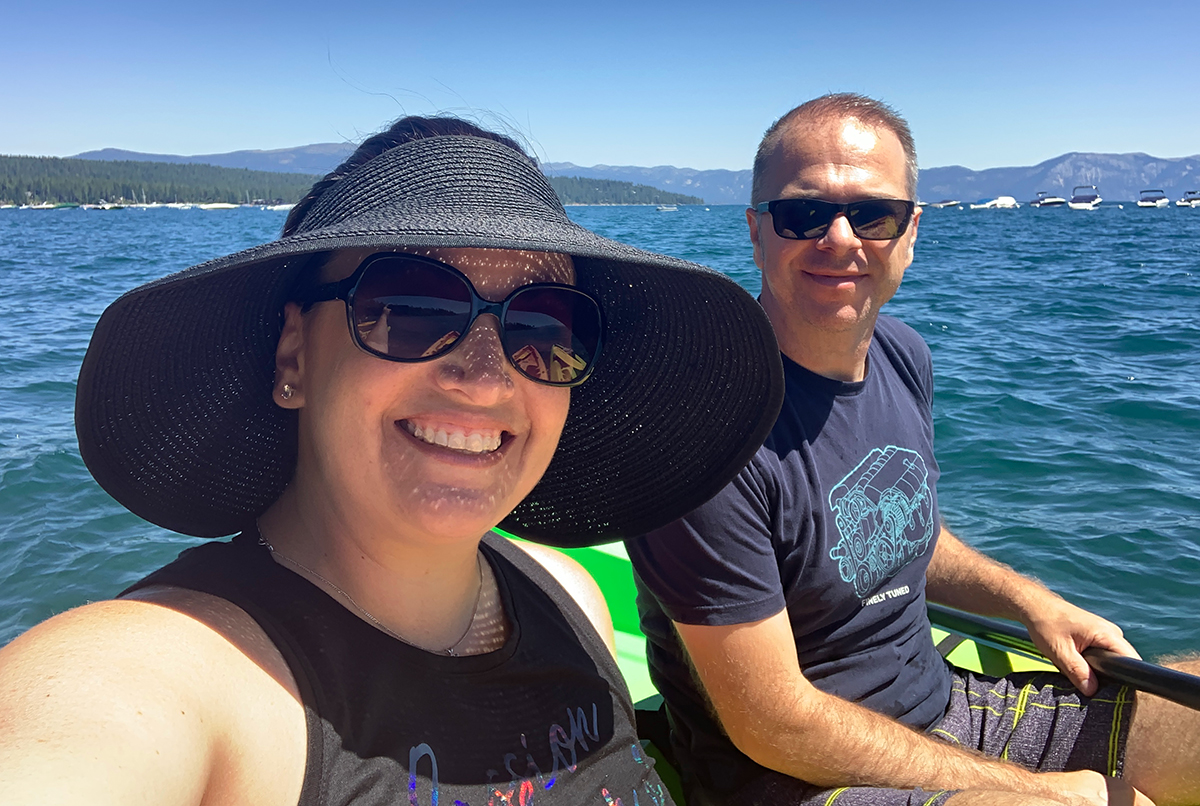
609	566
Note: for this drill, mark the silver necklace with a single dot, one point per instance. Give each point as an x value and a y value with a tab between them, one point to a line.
451	650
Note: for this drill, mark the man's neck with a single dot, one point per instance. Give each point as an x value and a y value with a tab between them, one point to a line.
840	355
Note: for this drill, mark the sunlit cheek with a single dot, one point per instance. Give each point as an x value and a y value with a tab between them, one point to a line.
550	415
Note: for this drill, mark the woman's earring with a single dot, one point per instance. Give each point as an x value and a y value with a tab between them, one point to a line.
287	391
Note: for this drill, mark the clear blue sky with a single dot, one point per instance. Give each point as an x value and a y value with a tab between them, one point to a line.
623	83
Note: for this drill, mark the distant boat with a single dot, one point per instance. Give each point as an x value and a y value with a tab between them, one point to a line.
1190	199
104	205
998	203
7	206
667	208
1045	199
278	206
945	203
1152	198
217	206
1084	197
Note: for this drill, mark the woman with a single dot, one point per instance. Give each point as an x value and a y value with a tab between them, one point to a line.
364	639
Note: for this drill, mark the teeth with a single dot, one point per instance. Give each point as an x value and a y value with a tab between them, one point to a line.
474	442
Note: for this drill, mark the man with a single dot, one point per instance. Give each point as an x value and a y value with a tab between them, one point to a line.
786	618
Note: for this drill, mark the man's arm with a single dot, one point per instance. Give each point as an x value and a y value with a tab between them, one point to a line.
775	716
962	577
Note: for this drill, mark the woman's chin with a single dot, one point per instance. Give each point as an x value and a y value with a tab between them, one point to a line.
457	512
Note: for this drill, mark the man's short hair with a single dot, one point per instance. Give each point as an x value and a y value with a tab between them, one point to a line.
835	106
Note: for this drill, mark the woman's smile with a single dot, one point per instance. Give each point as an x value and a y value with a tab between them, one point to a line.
455	438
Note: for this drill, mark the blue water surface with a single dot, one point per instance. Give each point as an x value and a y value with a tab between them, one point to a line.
1065	350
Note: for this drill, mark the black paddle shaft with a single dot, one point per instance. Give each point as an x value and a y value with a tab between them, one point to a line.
1170	684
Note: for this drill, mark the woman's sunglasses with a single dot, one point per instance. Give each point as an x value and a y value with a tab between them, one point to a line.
870	219
411	308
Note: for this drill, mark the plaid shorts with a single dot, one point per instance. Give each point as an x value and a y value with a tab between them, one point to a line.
1039	720
1035	719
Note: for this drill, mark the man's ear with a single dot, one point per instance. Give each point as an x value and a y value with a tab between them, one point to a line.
752	223
289	360
912	236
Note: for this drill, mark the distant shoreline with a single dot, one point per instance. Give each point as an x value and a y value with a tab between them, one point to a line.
42	181
641	204
113	206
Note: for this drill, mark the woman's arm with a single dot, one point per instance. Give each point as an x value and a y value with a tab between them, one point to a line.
579	583
130	702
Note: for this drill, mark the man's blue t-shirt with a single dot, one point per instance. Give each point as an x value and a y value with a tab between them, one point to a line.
835	518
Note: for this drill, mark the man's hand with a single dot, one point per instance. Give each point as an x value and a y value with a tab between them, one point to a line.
962	577
1061	631
1087	788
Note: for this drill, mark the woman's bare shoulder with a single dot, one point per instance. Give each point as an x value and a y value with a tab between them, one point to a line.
577	582
119	700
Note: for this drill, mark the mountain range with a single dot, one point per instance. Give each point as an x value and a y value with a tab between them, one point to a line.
319	158
714	186
1119	177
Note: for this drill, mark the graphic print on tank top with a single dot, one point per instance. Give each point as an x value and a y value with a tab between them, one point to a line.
884	514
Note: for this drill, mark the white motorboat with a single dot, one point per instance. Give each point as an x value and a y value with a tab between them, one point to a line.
1085	197
667	208
998	203
1046	199
1190	199
218	206
104	206
945	203
1152	198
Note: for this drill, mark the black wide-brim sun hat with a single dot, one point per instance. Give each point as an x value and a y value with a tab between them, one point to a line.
175	412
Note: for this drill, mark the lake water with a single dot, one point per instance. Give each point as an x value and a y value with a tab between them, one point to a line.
1066	352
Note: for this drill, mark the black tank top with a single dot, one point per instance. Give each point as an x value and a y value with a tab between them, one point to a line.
546	719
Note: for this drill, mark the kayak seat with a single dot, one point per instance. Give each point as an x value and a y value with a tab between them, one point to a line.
655	733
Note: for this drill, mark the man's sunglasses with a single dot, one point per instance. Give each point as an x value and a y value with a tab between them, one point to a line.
870	219
411	308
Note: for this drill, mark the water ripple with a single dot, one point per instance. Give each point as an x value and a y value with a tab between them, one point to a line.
1064	344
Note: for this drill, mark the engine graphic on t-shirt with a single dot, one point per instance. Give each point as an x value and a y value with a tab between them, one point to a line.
884	514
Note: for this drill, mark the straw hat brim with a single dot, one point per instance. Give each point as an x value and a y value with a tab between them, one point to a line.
176	419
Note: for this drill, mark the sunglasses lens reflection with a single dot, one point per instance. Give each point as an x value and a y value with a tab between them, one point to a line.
412	310
878	219
872	219
552	334
803	219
